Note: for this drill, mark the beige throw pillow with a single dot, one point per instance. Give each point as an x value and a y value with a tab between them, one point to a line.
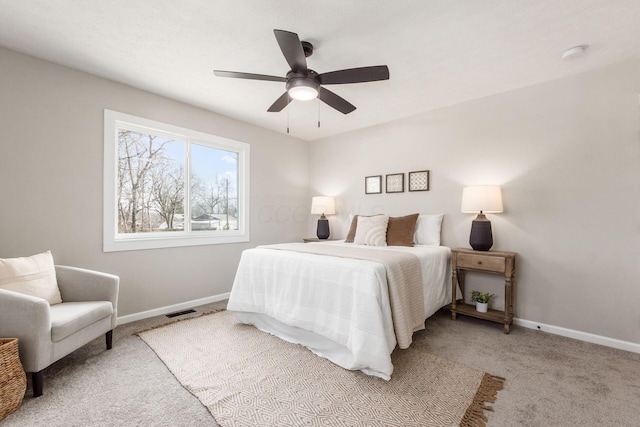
372	230
34	275
352	230
351	235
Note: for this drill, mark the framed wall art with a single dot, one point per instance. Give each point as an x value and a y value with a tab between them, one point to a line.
419	181
373	184
395	183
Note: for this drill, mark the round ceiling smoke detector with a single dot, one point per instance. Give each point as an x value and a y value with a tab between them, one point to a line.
574	52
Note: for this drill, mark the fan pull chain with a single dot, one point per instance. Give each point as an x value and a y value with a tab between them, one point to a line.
318	113
288	115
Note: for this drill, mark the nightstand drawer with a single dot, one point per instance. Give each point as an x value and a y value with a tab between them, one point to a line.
481	262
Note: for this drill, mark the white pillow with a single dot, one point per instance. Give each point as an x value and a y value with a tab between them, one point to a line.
34	275
428	230
372	230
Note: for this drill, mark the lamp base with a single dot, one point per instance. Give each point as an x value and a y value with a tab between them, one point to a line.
481	238
323	228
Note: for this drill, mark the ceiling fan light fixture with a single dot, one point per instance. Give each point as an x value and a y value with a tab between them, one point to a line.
302	89
303	93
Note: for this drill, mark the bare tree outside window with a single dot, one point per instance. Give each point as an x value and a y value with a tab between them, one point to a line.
150	182
151	187
170	186
167	191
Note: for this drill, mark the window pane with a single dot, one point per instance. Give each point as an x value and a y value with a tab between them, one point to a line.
150	171
150	191
214	189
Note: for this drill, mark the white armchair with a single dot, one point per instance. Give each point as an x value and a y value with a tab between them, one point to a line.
48	333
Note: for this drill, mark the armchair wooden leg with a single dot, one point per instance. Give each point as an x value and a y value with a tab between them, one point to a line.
109	338
37	380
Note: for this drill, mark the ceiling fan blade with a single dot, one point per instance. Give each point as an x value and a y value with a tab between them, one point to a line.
250	76
292	50
280	103
335	101
355	75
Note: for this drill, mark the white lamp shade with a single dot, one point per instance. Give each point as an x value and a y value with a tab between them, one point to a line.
481	198
323	205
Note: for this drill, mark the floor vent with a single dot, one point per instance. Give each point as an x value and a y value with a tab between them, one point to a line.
180	313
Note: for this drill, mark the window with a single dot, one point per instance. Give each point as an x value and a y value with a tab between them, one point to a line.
166	186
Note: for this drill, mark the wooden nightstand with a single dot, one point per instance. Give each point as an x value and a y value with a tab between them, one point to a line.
492	262
315	239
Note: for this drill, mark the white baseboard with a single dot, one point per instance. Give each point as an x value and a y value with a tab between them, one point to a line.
556	330
578	335
171	308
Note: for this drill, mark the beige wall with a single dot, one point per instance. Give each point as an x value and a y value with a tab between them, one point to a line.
567	155
51	162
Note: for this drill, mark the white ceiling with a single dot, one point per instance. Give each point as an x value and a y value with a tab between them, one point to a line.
439	52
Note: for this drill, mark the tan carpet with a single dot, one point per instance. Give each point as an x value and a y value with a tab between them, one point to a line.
246	377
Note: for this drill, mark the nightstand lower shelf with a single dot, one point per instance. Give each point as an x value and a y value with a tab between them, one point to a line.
497	316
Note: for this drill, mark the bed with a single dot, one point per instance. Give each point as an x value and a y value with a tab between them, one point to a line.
337	306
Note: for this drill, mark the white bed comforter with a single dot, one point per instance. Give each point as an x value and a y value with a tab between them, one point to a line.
338	307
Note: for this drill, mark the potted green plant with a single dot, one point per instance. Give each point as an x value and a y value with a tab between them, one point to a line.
482	300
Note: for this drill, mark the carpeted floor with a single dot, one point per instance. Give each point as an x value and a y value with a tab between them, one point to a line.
552	381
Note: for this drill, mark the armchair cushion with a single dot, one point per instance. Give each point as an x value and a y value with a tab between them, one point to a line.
71	317
34	275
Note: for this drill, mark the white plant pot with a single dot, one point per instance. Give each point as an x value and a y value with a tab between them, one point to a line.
482	307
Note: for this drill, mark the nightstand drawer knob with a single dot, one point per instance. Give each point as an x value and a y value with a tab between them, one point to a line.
479	262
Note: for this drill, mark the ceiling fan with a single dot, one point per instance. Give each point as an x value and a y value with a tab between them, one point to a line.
303	83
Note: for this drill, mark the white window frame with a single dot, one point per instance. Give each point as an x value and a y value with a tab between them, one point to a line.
114	241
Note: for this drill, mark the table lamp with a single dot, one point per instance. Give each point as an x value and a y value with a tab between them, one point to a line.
321	205
481	199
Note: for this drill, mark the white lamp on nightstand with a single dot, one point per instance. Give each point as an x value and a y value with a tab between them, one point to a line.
481	199
321	205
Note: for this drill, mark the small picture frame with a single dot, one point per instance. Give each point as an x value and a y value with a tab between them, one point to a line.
419	181
373	184
395	183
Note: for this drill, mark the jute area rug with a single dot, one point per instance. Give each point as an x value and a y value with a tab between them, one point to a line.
246	377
